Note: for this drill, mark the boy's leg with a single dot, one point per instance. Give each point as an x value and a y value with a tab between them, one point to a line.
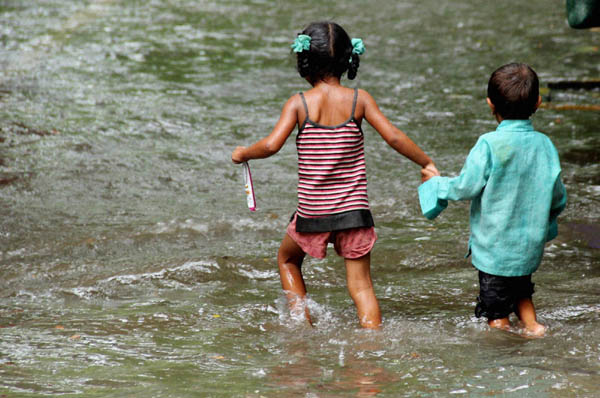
499	296
492	300
360	287
502	323
526	313
289	259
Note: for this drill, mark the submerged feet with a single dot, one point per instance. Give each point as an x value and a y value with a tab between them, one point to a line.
298	307
532	329
535	330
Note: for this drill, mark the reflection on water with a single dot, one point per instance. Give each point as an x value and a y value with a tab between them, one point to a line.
354	374
129	263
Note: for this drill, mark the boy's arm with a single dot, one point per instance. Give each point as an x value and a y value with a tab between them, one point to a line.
392	135
559	202
272	143
435	193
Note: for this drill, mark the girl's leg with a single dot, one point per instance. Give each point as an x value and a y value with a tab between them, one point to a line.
526	313
360	287
289	259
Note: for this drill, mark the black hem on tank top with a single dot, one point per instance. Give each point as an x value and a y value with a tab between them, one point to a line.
350	219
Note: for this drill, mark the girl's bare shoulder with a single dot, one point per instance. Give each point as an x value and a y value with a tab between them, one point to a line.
293	103
364	96
364	101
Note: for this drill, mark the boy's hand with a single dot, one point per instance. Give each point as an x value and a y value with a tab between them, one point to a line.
237	155
429	171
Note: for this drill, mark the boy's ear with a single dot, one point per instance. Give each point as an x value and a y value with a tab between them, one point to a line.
491	105
539	102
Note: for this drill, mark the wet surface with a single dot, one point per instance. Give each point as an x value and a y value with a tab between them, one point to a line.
130	265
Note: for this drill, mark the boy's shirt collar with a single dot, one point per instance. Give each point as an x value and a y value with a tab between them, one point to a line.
515	124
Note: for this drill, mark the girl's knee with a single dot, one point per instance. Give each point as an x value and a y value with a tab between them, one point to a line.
290	252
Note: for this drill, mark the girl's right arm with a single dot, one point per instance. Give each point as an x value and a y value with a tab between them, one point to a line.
272	143
396	138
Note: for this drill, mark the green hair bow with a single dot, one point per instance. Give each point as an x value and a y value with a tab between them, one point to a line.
358	46
301	43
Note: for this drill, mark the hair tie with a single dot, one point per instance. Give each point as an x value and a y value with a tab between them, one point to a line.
358	46
301	43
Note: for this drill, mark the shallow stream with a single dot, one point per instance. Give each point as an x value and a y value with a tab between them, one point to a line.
131	267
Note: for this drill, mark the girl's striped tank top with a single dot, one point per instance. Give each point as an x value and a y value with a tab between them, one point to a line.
331	168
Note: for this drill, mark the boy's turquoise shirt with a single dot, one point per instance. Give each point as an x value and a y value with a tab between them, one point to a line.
512	177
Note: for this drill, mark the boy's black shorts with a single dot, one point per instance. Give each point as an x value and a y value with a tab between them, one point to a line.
499	295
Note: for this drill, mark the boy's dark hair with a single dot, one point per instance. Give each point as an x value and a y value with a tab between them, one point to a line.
514	91
330	53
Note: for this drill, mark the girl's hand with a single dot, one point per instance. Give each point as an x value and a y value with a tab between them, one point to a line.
238	155
429	171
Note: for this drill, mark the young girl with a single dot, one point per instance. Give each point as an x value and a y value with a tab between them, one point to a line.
332	183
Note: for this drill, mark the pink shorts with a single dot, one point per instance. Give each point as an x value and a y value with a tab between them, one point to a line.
348	243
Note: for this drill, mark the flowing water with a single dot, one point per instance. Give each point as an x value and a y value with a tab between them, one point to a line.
131	267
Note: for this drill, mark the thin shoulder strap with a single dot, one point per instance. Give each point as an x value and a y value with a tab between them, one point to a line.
354	102
304	103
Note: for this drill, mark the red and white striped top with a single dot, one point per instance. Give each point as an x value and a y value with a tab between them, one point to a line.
332	175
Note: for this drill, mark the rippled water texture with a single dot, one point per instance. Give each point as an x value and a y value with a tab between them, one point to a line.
130	265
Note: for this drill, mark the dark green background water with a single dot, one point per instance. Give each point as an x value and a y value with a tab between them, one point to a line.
131	267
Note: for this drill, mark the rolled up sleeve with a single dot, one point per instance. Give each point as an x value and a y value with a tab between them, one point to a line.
435	193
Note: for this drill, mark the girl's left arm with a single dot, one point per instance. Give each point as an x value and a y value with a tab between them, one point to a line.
395	137
272	143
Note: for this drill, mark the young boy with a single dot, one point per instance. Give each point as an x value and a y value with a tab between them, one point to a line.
512	177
